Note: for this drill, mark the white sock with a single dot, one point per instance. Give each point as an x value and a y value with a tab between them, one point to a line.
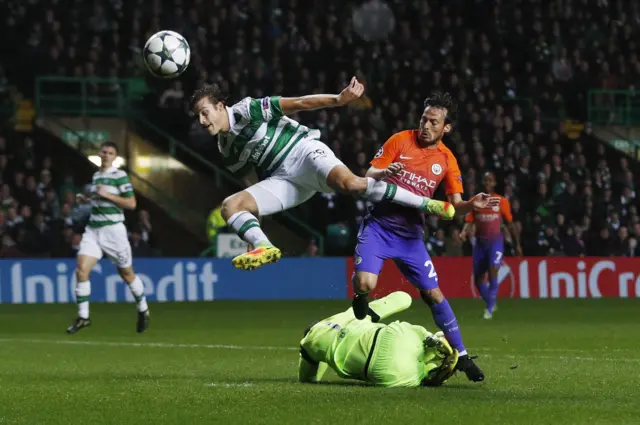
248	228
377	191
137	289
83	291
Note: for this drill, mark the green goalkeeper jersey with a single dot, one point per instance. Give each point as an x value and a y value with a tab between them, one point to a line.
386	355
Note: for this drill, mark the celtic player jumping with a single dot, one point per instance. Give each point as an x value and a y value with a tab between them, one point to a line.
396	355
106	234
257	133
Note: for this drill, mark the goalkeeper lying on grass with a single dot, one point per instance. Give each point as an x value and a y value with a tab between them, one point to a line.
396	355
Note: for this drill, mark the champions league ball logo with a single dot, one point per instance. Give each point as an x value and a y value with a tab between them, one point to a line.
505	277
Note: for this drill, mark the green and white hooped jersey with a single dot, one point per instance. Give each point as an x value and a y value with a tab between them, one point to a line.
103	212
260	135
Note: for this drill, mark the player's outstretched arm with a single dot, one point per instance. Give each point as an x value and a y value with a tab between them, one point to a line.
481	200
383	173
310	372
291	105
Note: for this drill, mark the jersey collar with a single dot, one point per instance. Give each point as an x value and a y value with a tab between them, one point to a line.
232	119
110	170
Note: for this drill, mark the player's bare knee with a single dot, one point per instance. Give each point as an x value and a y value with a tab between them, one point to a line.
365	282
241	201
432	296
82	274
127	274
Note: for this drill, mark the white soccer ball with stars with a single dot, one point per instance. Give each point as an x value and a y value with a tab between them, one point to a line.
166	54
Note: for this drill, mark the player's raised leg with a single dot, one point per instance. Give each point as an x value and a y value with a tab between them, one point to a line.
241	211
414	262
341	179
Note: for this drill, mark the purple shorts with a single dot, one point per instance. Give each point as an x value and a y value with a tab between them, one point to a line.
487	253
375	245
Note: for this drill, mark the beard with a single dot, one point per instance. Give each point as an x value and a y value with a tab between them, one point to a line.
430	138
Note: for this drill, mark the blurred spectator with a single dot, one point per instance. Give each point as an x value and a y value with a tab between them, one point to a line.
453	246
436	243
139	247
312	249
173	97
144	225
601	244
549	243
622	244
572	242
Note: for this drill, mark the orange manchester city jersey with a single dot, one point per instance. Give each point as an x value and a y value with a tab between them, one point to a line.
488	221
424	170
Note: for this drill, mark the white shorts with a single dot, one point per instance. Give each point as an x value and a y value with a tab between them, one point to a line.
111	241
302	174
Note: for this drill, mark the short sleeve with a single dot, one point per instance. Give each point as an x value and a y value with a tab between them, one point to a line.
124	187
453	179
387	153
265	109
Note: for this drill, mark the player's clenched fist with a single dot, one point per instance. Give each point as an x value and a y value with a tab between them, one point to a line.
393	169
353	91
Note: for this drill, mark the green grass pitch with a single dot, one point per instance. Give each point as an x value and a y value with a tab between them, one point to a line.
547	362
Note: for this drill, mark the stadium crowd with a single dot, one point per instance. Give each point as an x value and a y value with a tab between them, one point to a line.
518	69
39	216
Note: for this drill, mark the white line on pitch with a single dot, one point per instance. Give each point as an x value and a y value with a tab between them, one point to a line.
495	352
147	344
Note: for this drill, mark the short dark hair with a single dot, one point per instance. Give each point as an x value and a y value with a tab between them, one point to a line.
443	101
109	144
212	91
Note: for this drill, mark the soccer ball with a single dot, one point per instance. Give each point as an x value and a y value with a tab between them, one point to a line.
166	54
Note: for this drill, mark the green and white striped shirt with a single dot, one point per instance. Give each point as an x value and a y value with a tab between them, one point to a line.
103	212
260	135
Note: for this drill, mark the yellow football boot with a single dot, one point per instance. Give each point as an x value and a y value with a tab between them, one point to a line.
257	258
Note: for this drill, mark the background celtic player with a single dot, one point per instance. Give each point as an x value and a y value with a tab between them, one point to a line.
396	355
257	133
106	234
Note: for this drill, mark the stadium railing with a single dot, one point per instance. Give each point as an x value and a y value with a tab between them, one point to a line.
174	207
615	115
124	98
